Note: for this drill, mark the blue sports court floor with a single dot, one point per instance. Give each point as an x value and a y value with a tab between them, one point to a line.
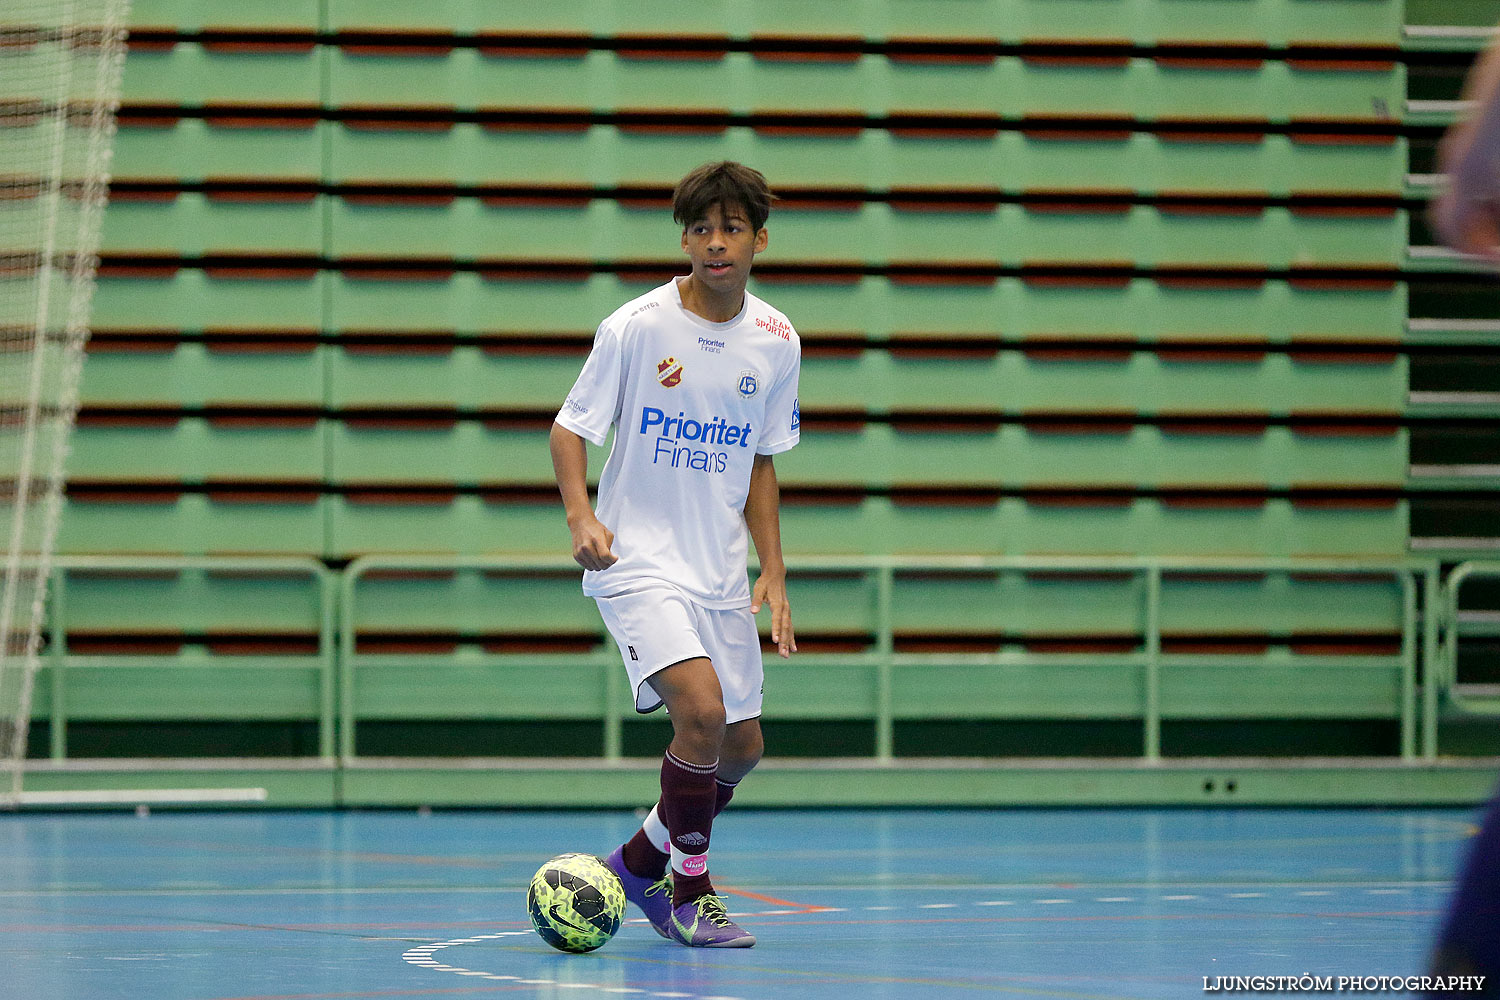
901	905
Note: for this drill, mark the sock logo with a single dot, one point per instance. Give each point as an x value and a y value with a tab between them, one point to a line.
694	839
695	864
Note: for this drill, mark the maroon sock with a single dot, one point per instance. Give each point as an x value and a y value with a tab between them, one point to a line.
688	794
725	792
644	858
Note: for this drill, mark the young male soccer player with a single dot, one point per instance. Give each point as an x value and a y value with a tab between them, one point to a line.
699	379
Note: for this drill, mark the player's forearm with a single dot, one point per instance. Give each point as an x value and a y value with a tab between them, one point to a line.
763	515
1474	144
570	463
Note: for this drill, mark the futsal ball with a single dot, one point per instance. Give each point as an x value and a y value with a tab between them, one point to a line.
576	902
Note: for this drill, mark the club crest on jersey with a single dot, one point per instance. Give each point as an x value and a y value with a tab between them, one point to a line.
669	372
749	383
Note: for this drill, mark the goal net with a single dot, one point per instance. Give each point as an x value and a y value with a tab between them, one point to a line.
60	66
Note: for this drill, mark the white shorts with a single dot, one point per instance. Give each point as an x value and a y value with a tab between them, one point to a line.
657	626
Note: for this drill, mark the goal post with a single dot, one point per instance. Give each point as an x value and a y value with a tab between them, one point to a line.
60	69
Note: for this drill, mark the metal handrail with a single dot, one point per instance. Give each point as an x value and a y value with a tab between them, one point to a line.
55	627
349	655
1447	660
1418	734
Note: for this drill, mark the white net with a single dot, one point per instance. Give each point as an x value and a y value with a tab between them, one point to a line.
60	65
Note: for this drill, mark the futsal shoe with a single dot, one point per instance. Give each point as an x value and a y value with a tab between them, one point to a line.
704	924
654	898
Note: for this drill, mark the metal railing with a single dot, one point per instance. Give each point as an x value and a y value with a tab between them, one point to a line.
1417	725
1429	637
1464	698
61	663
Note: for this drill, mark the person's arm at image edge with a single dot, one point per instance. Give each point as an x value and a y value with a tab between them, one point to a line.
1467	213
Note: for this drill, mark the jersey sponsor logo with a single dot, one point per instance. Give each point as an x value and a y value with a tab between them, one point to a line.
671	432
710	345
669	372
643	308
715	430
749	383
781	328
796	415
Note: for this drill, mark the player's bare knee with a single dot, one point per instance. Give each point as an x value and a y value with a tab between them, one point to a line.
748	757
733	769
701	723
743	747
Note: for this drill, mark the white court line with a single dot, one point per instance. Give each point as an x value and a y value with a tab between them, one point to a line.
420	956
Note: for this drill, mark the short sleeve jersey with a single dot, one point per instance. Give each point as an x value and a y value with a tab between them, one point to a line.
692	403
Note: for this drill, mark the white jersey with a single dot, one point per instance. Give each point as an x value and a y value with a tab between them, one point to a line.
692	402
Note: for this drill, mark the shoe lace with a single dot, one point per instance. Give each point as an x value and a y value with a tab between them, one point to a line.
663	884
711	908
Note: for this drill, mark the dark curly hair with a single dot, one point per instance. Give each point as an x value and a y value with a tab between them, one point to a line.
727	184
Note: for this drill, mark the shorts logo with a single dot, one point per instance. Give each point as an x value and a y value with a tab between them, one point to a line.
669	372
796	415
749	383
694	839
632	654
694	864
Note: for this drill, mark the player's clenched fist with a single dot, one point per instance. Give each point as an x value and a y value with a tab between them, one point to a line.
591	543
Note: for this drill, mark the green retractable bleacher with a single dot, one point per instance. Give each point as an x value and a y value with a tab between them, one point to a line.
1096	278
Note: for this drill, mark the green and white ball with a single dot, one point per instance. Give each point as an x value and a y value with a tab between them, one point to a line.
576	902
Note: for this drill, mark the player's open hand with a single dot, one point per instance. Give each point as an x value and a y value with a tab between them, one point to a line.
592	543
770	590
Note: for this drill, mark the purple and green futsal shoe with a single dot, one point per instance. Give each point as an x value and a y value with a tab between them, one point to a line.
653	897
703	923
